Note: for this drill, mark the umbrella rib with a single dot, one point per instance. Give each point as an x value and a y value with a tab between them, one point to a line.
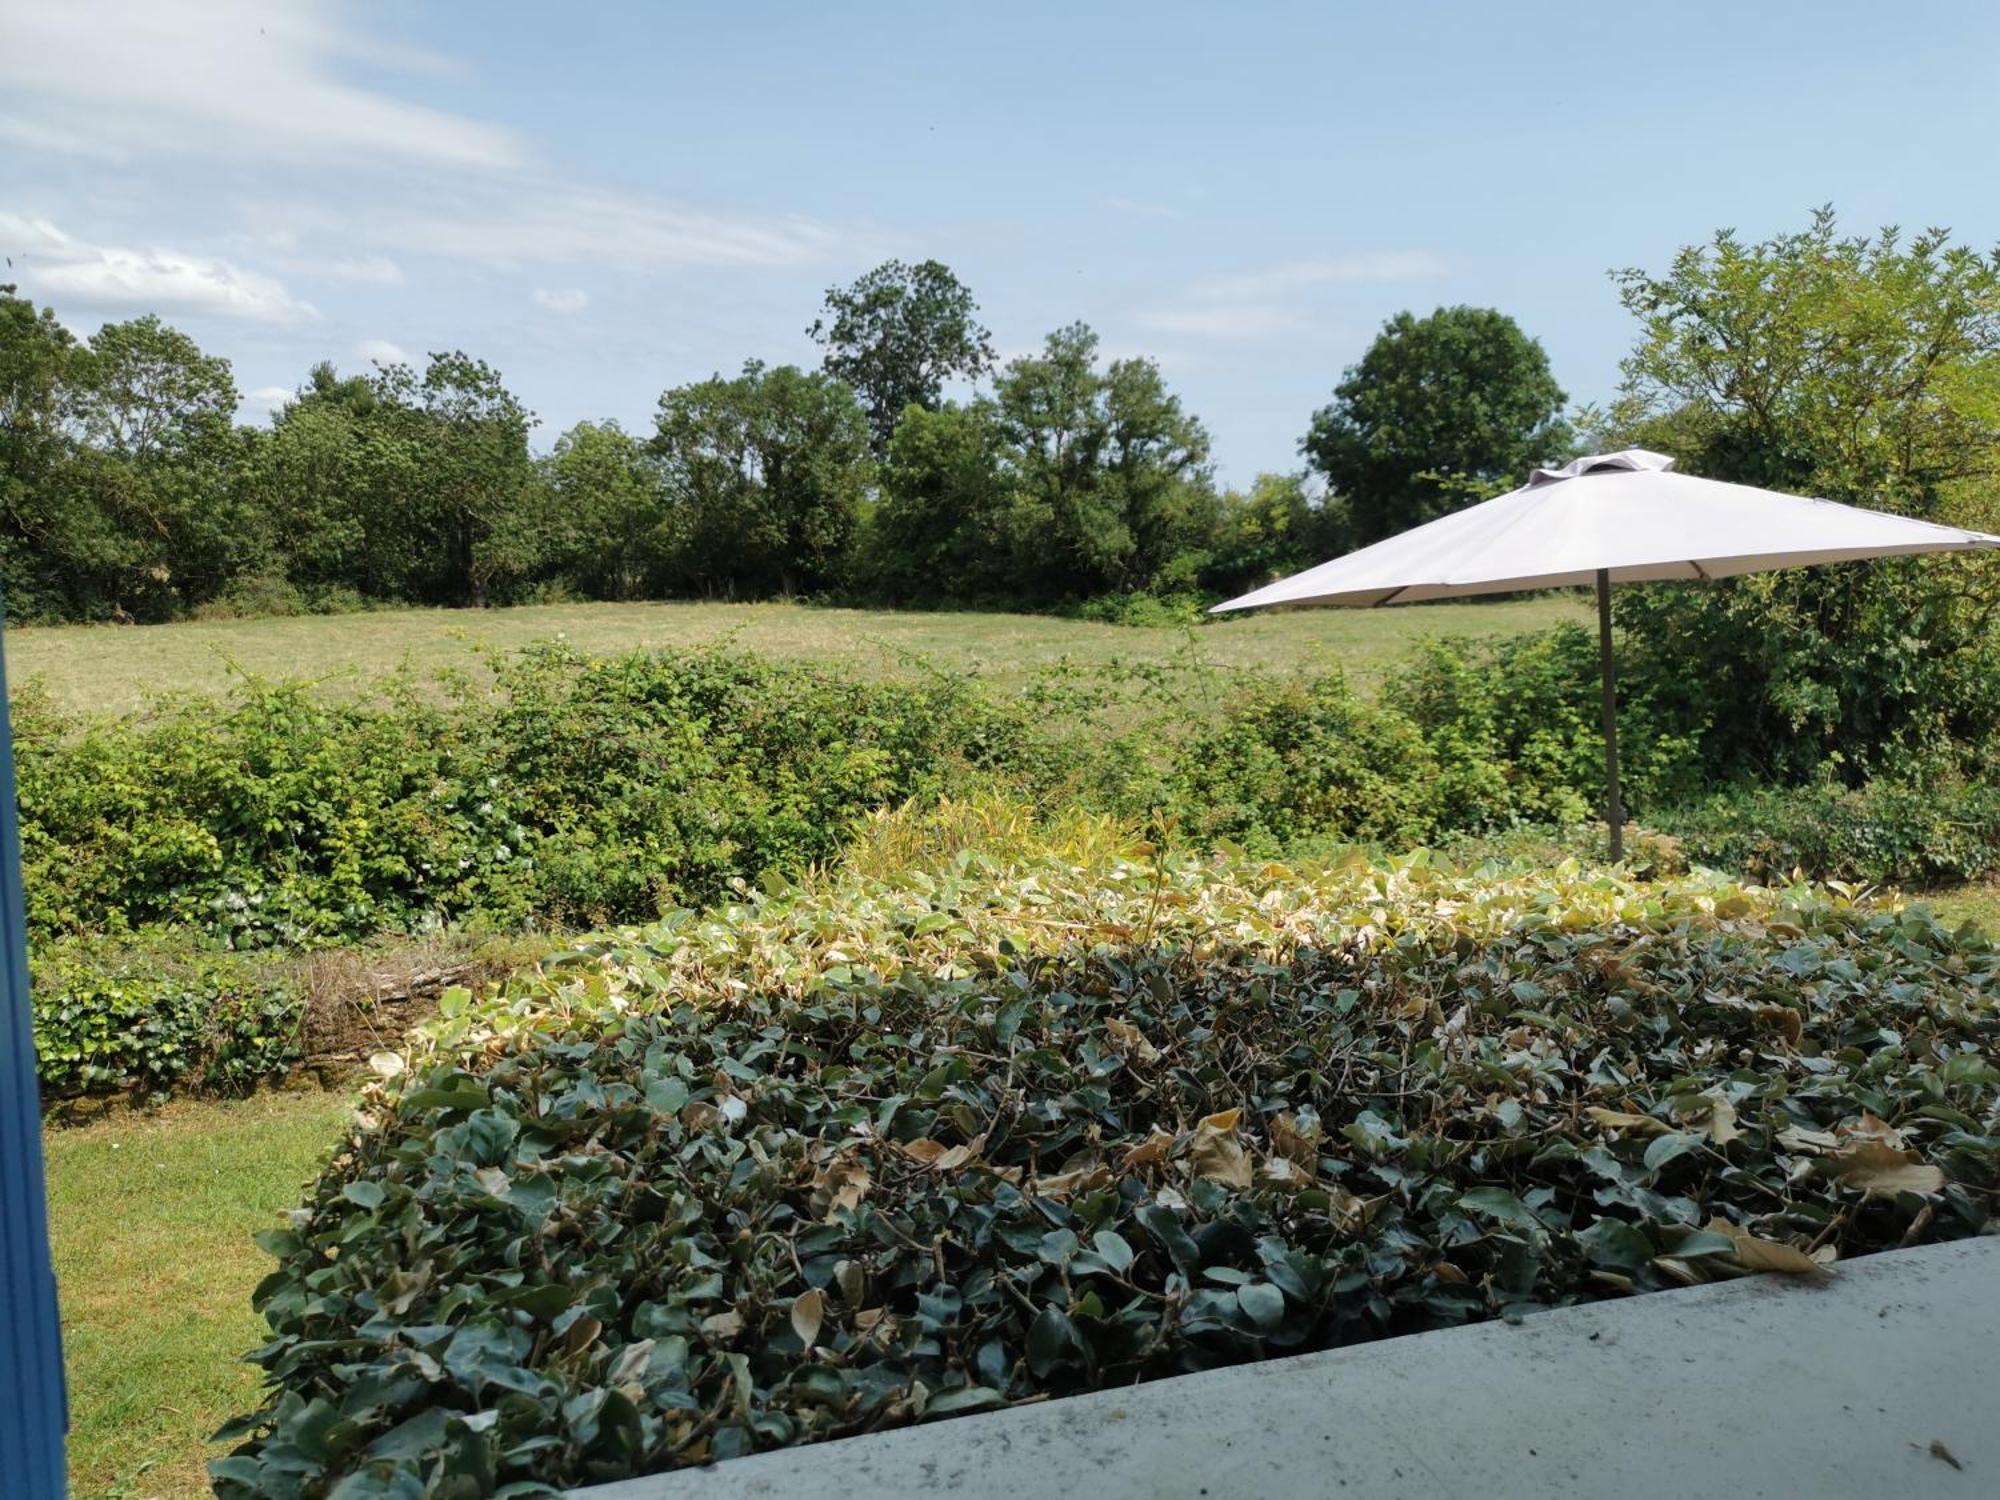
1390	597
1699	571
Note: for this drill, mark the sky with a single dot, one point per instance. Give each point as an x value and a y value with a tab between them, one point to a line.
606	200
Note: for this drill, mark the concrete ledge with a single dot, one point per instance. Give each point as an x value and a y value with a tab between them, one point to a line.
1761	1387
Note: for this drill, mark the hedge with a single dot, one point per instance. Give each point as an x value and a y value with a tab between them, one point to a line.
160	1015
871	1150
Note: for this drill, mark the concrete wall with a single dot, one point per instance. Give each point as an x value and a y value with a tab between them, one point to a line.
1883	1381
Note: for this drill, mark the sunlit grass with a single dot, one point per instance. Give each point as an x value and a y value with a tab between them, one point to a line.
1975	903
150	1217
112	668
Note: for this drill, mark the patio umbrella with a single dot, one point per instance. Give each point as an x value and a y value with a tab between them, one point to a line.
1614	518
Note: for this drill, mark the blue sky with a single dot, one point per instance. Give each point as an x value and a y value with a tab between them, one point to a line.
605	200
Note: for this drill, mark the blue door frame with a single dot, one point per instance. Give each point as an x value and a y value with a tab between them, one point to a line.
33	1404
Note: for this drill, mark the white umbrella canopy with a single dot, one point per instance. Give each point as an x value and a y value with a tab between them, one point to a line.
1613	518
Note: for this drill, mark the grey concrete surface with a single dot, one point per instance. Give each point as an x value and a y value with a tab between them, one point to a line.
1857	1387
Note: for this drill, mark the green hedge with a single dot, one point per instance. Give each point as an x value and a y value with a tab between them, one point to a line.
866	1152
160	1015
574	791
570	790
1940	833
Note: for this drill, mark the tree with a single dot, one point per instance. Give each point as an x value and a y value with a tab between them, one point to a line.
1112	481
897	335
152	515
939	531
1441	412
37	355
600	526
444	464
1273	528
766	475
1860	369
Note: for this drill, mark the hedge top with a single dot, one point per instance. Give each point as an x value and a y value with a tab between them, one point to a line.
867	1150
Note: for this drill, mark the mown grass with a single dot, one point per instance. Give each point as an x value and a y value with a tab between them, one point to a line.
1979	903
150	1215
113	668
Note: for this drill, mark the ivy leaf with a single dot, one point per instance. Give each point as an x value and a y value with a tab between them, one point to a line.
1051	1337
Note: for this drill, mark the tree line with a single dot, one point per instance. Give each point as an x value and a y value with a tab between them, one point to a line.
910	468
129	491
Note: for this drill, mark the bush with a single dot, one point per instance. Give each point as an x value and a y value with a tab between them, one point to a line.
864	1152
1885	831
1152	611
570	790
1516	726
159	1016
1301	759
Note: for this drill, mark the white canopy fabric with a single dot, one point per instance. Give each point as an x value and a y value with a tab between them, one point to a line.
1614	518
1623	513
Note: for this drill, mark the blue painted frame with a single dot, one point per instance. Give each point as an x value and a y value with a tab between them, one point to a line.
34	1405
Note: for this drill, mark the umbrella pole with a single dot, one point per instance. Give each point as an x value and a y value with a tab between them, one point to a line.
1614	804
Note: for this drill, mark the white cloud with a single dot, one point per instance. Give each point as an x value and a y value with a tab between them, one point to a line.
1297	275
269	398
230	78
380	352
562	299
371	270
511	220
1273	299
262	101
114	278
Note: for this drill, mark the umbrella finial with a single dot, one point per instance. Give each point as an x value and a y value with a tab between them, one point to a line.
1624	461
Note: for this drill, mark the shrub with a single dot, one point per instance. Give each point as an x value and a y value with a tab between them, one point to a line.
1516	728
1302	759
158	1016
1885	831
569	790
1152	611
861	1152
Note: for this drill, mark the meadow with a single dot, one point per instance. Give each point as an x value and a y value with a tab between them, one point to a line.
116	669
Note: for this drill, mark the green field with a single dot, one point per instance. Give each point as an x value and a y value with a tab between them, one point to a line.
114	668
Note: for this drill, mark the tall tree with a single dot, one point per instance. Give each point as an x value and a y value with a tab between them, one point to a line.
155	518
897	335
939	531
1863	369
1440	412
1112	479
766	474
601	524
37	355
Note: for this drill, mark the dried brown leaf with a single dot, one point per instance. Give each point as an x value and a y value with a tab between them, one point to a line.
1153	1150
808	1312
1881	1171
1216	1153
1755	1254
1618	1119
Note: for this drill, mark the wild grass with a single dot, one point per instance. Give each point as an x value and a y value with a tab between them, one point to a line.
115	668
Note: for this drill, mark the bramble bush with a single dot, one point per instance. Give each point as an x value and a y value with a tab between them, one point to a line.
569	790
1033	1118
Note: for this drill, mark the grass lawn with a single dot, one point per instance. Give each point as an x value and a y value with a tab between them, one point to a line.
151	1216
1978	903
112	668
